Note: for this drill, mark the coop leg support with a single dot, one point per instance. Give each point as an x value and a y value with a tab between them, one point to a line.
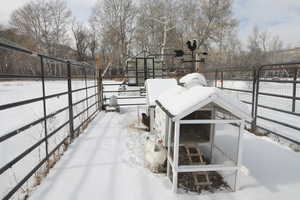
151	113
176	155
175	180
239	155
168	168
169	145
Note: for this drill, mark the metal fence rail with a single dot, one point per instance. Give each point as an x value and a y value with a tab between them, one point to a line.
73	71
115	91
136	80
271	90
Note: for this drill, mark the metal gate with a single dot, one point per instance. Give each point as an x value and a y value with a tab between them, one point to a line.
271	90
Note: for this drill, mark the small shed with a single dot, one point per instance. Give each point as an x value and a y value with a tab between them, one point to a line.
194	113
154	88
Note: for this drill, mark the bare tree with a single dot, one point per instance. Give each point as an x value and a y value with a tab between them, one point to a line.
81	37
115	20
208	21
13	62
149	32
93	42
47	22
263	47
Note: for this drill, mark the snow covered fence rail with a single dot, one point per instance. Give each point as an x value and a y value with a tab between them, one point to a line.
272	92
67	96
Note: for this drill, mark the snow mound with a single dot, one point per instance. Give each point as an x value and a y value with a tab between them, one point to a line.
193	79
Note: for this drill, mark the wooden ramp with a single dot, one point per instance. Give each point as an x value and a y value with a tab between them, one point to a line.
196	158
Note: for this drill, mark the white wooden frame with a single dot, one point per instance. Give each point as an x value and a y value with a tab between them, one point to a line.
173	163
151	110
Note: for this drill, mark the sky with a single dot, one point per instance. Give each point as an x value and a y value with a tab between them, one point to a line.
278	17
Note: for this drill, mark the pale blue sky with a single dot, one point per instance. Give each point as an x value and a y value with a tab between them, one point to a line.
278	17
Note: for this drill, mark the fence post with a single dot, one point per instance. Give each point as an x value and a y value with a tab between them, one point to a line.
216	78
86	95
100	90
96	88
71	117
222	79
255	103
253	93
153	68
45	108
294	90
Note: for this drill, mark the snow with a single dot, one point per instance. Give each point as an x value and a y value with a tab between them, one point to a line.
155	87
107	162
181	99
193	79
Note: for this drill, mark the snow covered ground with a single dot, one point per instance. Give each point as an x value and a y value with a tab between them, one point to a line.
107	162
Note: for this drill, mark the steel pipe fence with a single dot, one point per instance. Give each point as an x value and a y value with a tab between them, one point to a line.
114	91
271	90
70	71
140	75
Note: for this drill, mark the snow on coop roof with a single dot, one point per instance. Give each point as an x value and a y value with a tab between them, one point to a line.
193	79
156	87
181	101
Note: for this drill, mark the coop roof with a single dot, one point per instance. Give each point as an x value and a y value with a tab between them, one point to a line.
156	87
181	101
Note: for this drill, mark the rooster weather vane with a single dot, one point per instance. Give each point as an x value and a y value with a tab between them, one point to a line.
192	45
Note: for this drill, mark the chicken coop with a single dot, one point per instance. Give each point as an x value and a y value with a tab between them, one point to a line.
203	136
154	88
158	118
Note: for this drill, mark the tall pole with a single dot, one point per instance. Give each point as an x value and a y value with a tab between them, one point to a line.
193	62
164	42
166	29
